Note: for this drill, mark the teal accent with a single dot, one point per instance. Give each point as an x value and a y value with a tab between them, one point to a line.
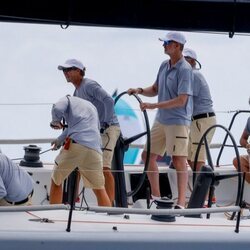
130	156
122	108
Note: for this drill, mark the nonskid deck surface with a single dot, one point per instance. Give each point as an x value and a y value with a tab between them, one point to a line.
90	230
86	221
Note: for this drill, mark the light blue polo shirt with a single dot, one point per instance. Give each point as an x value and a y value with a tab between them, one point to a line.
202	97
91	91
82	119
172	82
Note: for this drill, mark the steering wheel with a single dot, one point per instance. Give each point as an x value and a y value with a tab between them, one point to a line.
210	163
128	141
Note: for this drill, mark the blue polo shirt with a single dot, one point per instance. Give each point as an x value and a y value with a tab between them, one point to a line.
172	82
91	91
202	97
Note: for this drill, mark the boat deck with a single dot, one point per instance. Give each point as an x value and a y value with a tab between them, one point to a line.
90	230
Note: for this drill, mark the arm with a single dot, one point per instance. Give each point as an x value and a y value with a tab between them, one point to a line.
3	191
57	113
244	139
96	92
149	91
177	102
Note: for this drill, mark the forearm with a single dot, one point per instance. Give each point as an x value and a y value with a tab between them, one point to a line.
61	138
149	91
108	109
173	103
244	139
244	143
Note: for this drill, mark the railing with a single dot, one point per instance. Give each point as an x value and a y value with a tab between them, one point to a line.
226	136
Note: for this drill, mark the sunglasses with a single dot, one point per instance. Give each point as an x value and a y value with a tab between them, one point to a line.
69	69
165	43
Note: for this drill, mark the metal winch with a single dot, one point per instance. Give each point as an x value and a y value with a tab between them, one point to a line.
31	157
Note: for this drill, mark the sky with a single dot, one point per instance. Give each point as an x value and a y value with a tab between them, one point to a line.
115	58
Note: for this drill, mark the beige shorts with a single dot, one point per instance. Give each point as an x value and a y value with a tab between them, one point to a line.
109	139
197	129
88	161
172	139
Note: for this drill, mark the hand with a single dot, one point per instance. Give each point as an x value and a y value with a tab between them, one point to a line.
248	148
56	125
146	105
135	91
55	144
104	127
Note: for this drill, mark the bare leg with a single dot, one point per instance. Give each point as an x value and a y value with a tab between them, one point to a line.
244	167
182	178
153	174
109	183
102	197
55	193
199	164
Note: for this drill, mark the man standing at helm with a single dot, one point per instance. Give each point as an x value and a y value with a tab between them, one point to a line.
203	113
90	90
170	130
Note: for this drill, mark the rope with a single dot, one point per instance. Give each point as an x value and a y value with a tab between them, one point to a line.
45	151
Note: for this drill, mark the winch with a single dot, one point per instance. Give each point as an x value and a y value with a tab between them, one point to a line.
31	157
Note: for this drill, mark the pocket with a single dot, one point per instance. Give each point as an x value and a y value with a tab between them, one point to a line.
198	125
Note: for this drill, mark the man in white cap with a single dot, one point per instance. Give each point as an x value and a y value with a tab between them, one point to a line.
90	90
203	113
170	130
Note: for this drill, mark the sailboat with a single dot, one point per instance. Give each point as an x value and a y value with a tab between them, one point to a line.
136	222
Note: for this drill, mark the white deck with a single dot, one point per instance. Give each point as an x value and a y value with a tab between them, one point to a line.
90	230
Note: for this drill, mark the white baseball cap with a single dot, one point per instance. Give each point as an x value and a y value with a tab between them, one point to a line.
174	36
192	54
71	63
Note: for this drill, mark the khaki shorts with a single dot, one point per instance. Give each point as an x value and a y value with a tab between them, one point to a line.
109	139
197	129
88	161
172	139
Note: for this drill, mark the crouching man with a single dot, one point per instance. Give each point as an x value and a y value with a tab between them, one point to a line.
16	185
82	148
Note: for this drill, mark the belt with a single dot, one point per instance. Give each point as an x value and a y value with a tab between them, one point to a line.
21	202
204	115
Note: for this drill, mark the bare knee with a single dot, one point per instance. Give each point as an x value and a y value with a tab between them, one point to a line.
235	162
152	157
107	171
